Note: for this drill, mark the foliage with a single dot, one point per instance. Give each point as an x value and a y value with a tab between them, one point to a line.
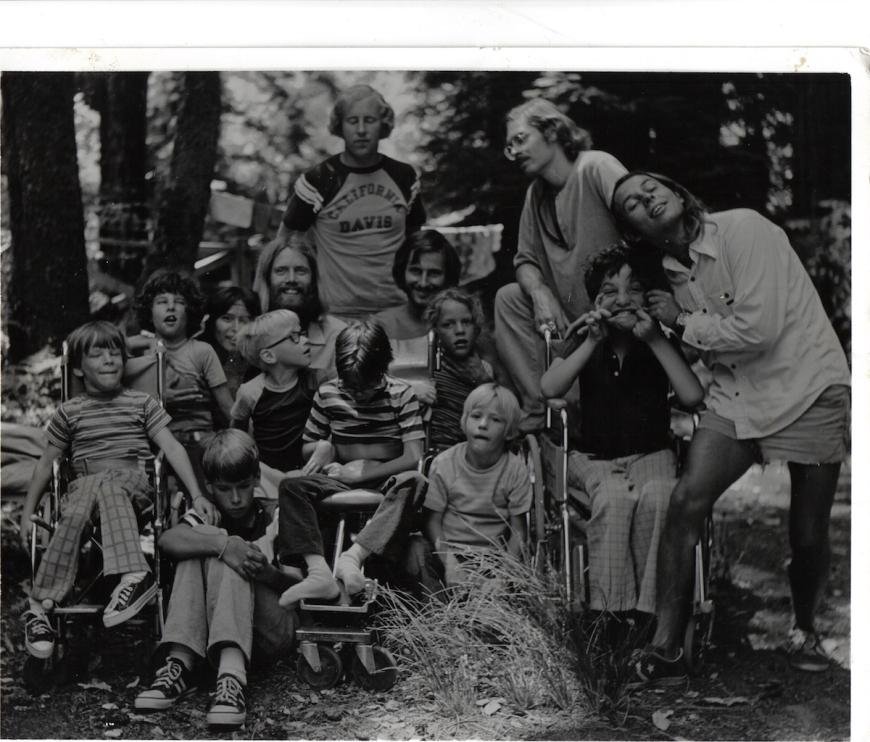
31	389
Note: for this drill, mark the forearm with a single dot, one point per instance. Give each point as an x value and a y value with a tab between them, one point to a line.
683	380
433	527
557	379
180	463
38	486
183	542
517	538
376	472
530	278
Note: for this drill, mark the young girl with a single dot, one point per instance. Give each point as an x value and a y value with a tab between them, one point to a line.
479	491
170	305
228	310
456	318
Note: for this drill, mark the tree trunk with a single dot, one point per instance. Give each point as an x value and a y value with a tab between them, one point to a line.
183	200
48	291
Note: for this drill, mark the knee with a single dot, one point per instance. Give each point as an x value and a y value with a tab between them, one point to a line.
686	509
511	300
656	494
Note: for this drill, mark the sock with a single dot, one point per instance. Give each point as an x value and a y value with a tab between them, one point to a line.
319	583
131	578
348	568
36	605
232	661
185	655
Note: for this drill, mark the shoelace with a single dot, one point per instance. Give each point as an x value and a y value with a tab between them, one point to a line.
229	692
168	675
38	626
124	594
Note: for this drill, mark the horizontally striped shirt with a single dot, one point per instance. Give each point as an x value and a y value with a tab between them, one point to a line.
107	427
454	381
393	414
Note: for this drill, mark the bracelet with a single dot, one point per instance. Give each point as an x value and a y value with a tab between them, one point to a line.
221	555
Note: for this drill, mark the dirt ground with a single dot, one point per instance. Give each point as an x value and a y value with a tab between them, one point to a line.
745	690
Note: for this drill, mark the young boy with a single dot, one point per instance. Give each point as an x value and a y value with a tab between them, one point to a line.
278	400
106	431
478	491
364	428
625	464
170	305
224	602
456	317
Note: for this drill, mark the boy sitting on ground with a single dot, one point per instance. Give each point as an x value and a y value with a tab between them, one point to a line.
224	602
107	432
364	428
625	464
479	491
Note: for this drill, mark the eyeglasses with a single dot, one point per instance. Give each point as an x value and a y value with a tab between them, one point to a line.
294	335
515	142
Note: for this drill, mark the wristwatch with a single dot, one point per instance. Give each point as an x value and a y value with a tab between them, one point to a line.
680	322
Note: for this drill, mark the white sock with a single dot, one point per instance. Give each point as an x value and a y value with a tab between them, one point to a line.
232	661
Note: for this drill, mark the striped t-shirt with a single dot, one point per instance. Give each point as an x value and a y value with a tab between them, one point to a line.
107	427
393	414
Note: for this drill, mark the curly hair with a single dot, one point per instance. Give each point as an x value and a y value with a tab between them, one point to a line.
646	267
219	303
164	281
422	242
230	456
470	301
97	334
553	124
355	94
297	241
694	210
362	354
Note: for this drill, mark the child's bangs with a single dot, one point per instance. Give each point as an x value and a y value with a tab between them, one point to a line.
95	335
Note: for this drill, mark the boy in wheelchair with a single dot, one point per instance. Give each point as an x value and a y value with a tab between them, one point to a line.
625	464
106	432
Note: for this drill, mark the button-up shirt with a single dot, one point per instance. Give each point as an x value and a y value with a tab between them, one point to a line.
758	322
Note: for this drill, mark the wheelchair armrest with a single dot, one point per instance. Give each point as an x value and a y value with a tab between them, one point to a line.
557	403
357	500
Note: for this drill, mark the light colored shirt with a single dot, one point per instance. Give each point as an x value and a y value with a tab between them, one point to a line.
758	321
321	335
559	232
477	503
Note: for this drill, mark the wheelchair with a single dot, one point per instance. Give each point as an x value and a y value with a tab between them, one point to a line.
557	528
82	609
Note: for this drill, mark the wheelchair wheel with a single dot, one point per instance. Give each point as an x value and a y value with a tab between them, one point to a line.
330	669
696	639
539	520
38	675
385	674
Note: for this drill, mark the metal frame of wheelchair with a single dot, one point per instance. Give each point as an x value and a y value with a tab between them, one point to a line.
87	599
557	531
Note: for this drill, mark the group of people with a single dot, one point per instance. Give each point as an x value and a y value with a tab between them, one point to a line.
317	381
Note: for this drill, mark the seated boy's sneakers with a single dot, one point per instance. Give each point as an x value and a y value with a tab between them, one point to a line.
806	652
171	682
38	634
128	598
649	666
228	707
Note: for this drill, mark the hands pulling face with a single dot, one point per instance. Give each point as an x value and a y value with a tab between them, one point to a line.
596	324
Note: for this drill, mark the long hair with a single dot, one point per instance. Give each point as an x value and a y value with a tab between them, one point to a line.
219	303
553	124
694	210
420	243
314	307
354	94
164	281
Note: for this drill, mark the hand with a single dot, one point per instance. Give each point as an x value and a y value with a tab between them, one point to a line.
591	325
646	328
425	391
663	306
547	312
352	472
322	455
256	564
24	529
184	395
206	509
240	556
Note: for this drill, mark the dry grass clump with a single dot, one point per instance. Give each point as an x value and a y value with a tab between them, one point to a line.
503	633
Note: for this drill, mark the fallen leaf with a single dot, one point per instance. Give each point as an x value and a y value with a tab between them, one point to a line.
141	717
113	733
286	711
660	719
313	698
133	683
392	705
298	698
109	706
491	708
333	714
692	694
96	685
716	701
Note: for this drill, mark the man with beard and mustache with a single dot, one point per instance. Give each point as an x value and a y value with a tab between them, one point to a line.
286	278
357	206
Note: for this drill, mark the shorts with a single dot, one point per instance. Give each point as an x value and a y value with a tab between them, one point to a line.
819	436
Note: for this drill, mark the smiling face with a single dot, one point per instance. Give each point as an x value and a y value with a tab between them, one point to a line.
233	499
169	316
486	431
456	330
621	295
101	370
361	131
528	147
290	280
227	326
424	277
648	206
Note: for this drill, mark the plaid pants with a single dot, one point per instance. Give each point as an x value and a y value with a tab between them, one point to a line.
113	492
629	498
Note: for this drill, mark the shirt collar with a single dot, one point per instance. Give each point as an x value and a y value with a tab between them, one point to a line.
704	244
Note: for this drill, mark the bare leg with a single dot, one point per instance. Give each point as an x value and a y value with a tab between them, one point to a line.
714	462
812	494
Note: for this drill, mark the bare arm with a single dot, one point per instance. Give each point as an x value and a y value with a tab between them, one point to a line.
224	400
178	460
433	527
546	307
364	472
37	488
518	535
557	379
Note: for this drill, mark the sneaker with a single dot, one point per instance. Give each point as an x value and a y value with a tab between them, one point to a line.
806	651
228	707
171	682
128	599
648	666
38	634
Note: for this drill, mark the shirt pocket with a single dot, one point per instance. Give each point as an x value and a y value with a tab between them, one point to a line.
720	296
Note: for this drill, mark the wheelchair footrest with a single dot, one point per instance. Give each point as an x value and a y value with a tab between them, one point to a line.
336	634
82	609
351	501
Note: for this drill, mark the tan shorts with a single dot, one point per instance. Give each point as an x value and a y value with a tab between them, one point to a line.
819	436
